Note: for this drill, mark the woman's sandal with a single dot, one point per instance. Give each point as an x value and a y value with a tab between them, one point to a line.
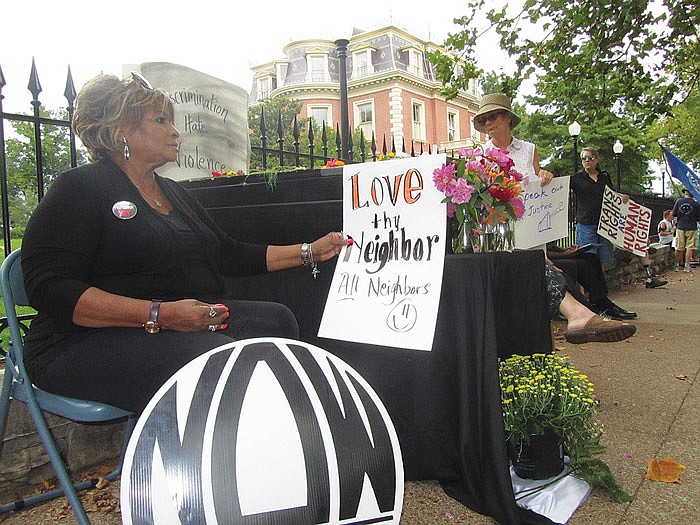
600	330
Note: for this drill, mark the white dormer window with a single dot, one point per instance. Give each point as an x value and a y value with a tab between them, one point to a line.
264	86
415	62
317	68
362	63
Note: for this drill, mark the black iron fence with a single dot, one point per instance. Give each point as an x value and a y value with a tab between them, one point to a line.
268	146
38	122
280	148
321	144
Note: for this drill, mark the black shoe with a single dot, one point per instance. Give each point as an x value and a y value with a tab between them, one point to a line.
618	314
653	282
607	308
621	313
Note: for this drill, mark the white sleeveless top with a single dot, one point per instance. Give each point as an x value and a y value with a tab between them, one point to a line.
523	154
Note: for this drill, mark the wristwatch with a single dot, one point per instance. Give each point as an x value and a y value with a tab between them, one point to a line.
151	326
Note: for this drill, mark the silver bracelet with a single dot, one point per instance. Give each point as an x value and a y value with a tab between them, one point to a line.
307	259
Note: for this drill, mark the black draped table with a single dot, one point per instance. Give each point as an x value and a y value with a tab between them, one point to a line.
445	404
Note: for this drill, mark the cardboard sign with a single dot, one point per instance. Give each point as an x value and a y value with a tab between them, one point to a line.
211	115
546	213
626	225
264	430
386	286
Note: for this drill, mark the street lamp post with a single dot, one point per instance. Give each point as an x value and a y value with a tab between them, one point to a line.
575	131
341	46
663	181
617	150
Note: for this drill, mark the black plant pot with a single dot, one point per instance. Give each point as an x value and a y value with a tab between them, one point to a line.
542	458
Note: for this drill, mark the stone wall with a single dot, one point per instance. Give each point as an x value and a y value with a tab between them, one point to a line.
628	269
24	463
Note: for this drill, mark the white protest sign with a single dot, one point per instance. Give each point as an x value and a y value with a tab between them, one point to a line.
546	213
625	224
386	286
212	117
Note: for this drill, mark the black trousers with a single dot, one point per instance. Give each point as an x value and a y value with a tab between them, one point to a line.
125	367
586	270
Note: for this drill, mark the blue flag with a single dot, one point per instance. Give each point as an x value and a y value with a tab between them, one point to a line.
683	173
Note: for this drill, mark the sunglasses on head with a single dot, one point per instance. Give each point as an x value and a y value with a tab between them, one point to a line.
137	77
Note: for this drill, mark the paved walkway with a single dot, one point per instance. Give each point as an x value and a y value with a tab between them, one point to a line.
650	392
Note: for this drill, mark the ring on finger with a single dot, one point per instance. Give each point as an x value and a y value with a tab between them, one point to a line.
213	327
212	312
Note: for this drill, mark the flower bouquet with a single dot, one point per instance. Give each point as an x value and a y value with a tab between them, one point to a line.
482	192
230	173
333	163
543	393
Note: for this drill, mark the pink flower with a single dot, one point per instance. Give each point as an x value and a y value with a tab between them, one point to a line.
442	177
450	209
476	166
518	207
460	191
470	152
500	157
514	174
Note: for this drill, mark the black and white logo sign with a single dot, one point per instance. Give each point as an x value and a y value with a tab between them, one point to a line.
263	431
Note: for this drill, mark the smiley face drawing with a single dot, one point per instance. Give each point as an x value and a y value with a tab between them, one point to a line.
403	316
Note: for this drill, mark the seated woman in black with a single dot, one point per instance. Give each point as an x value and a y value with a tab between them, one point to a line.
126	268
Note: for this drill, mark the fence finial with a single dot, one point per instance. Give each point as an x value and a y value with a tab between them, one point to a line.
2	79
34	85
69	92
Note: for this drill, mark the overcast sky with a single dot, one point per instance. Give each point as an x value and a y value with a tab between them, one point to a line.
219	38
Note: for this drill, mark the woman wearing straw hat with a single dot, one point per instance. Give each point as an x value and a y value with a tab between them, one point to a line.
496	118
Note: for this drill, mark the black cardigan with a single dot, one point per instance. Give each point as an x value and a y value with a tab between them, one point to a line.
74	241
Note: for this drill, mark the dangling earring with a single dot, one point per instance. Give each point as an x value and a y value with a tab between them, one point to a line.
126	149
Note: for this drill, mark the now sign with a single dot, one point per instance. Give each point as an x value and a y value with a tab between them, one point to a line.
263	431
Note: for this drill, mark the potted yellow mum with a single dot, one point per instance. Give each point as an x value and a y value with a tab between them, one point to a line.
546	402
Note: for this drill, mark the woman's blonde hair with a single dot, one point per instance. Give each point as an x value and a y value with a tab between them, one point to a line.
107	104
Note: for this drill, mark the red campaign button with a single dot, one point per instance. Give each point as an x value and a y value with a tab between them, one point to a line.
124	210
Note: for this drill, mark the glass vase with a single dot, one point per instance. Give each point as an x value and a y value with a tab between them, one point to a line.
493	237
460	233
472	236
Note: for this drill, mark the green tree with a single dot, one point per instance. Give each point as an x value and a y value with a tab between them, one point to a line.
631	56
20	158
556	146
679	131
614	67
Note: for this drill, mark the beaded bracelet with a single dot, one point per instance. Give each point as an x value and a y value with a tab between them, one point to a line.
307	259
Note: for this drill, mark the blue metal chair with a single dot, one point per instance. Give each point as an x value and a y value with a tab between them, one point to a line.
17	385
